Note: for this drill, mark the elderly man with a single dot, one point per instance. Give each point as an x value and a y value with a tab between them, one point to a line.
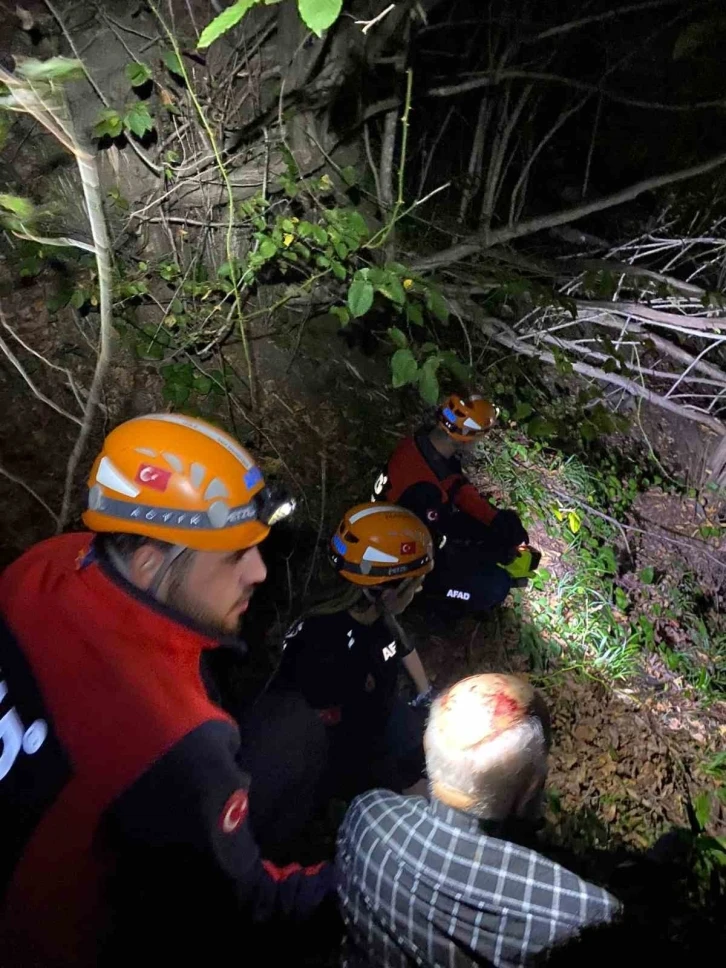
452	881
126	799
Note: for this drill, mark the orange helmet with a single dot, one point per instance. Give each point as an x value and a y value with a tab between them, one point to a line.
180	480
376	543
465	418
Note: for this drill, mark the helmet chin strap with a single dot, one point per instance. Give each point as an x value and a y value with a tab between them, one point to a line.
172	555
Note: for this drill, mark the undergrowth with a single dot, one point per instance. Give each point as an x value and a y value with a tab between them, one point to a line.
576	614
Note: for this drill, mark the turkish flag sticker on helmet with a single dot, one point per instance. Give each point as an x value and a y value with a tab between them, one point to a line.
234	812
408	548
151	476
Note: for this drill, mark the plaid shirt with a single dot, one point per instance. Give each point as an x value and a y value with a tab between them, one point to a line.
421	884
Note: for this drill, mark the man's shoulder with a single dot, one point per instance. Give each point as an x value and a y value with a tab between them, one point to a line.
62	551
407	449
383	810
42	567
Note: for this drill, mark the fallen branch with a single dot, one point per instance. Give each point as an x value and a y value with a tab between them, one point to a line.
660	344
625	268
498	330
658	317
507	233
494	77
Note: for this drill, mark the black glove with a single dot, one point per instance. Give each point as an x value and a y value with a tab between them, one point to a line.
507	532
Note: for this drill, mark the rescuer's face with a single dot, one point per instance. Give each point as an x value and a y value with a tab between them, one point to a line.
215	587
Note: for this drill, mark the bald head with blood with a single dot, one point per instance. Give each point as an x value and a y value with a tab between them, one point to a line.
486	747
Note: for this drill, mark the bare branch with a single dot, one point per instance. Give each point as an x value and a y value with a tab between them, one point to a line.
388	148
500	332
94	210
36	392
600	17
507	233
631	270
53	366
475	160
495	77
26	487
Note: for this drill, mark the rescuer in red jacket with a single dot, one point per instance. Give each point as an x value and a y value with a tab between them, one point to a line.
425	475
126	832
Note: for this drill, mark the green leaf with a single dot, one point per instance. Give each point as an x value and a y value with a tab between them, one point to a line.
404	368
267	249
357	224
349	175
398	337
78	299
53	69
702	809
138	73
176	393
647	575
224	21
588	431
691	38
436	304
318	15
109	124
339	270
172	62
573	520
539	427
621	599
414	314
454	365
318	234
523	410
428	383
227	268
22	207
360	297
390	286
138	120
342	313
58	300
202	384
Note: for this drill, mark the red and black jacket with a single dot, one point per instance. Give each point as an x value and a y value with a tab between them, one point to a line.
118	774
434	488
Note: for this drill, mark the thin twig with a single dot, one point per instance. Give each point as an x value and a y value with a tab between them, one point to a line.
367	24
26	487
313	560
48	363
36	392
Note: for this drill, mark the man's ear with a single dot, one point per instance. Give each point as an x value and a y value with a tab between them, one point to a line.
145	562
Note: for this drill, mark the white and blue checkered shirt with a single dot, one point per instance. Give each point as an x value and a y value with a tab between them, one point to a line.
421	884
